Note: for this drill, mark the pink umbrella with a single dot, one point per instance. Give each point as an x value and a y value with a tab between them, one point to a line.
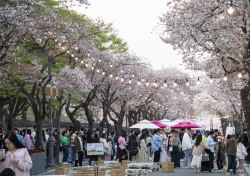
186	124
158	123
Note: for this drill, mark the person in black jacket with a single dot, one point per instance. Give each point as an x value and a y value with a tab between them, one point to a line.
245	141
133	147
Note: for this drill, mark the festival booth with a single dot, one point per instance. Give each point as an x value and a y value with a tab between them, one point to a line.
159	124
144	124
186	124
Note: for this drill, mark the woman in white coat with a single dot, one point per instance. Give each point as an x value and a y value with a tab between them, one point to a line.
241	154
143	155
105	144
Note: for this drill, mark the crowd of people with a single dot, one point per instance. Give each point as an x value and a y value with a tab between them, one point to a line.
159	146
192	146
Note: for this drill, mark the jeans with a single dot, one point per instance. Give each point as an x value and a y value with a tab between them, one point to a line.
73	153
186	157
65	153
69	158
231	163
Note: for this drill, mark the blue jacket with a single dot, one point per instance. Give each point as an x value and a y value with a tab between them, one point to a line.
210	143
20	138
156	142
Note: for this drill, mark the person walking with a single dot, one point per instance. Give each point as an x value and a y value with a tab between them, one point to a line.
143	155
109	150
220	149
72	145
122	152
231	147
133	147
19	137
16	157
241	153
197	154
186	147
28	140
156	145
79	146
245	140
103	140
175	151
210	150
113	142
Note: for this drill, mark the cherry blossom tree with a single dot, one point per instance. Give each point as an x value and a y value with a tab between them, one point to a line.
211	39
49	38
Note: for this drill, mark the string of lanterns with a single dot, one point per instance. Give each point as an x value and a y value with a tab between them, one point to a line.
162	83
129	79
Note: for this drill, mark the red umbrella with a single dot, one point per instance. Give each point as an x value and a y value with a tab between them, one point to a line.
186	124
158	123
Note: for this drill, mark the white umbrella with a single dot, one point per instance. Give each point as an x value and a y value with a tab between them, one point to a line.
169	122
165	120
145	124
203	124
144	121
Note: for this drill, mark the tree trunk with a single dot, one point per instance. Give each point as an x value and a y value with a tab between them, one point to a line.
89	115
101	125
104	120
76	123
118	123
24	115
245	101
39	122
71	114
8	123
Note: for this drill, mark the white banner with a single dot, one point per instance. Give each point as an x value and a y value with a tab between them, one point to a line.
230	130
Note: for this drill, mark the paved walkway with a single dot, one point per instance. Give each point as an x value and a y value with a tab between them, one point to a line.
190	172
177	172
180	172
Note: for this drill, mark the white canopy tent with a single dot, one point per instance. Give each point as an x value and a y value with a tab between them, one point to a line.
144	124
169	122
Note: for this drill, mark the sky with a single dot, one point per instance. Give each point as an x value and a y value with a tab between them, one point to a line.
136	23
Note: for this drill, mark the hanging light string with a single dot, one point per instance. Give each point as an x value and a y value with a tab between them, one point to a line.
160	82
96	65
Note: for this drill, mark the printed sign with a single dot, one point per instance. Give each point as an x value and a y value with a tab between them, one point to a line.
230	130
95	149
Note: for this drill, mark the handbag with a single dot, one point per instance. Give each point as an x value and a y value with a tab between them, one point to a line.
224	161
243	150
135	151
170	148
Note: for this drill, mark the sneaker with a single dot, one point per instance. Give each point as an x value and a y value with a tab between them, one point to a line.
185	167
220	170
